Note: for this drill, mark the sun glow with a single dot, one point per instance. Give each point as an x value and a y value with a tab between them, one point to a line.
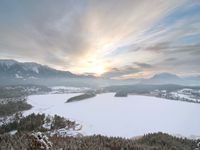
98	70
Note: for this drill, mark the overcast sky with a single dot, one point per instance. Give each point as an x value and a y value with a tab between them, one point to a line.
112	38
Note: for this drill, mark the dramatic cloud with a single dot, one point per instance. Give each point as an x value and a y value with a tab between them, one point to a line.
94	37
118	72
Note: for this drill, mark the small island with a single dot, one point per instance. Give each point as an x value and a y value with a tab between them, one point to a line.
121	94
81	97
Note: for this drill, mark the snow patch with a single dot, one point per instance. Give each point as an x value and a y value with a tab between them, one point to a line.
43	140
13	132
18	76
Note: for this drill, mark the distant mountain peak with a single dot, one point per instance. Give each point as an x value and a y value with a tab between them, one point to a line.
164	78
165	75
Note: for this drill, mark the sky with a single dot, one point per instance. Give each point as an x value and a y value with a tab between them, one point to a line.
118	39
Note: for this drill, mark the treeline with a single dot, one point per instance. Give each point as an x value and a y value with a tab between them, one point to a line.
157	141
10	93
32	122
13	107
60	122
35	122
146	88
21	90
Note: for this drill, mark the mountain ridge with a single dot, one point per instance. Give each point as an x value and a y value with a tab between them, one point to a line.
13	68
12	71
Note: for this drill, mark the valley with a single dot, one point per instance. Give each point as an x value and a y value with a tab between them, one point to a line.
78	112
99	75
136	115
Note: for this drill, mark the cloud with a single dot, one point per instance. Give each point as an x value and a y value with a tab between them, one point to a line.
170	59
78	35
143	65
117	72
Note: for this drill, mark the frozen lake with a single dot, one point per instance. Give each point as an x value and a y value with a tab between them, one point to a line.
126	117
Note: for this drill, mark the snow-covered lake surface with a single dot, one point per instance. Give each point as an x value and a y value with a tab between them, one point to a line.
126	117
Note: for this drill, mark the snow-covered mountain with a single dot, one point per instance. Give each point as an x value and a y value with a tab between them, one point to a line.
165	75
169	78
163	78
14	69
14	72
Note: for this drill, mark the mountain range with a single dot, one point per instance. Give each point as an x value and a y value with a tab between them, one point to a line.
31	70
14	72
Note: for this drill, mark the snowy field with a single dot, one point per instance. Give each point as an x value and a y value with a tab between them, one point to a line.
126	117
